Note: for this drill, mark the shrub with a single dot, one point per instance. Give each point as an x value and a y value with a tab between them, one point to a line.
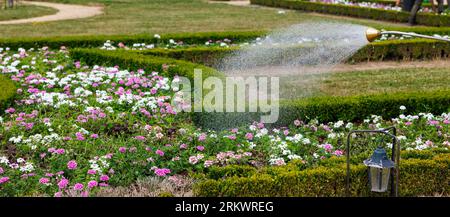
417	177
97	41
331	109
416	49
428	19
7	93
402	50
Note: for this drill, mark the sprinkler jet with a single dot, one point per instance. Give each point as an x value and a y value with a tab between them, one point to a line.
373	34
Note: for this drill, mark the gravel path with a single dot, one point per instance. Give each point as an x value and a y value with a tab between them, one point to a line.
65	12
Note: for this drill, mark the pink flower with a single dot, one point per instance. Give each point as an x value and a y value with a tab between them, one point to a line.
104	178
58	194
232	137
183	146
92	184
338	153
446	121
4	179
44	180
286	132
193	160
10	110
140	138
159	152
1	170
249	136
78	187
408	123
63	183
122	149
162	172
60	151
71	165
297	122
79	136
94	136
200	148
202	137
91	172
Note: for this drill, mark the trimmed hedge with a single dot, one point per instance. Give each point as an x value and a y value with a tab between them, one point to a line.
7	93
428	19
417	177
326	109
416	49
97	41
134	61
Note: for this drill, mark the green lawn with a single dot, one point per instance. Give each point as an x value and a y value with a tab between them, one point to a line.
368	82
168	16
24	11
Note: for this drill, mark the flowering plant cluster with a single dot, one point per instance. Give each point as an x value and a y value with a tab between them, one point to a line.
375	5
74	129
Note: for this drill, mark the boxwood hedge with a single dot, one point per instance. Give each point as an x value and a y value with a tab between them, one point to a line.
7	93
328	108
417	177
417	49
428	19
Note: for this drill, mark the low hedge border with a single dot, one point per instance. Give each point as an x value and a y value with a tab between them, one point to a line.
330	109
7	93
417	177
354	11
416	49
97	41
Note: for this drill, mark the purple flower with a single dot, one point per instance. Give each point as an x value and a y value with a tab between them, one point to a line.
249	136
200	148
92	184
140	138
4	179
44	181
104	178
94	136
162	172
159	152
71	165
183	146
122	149
91	172
1	170
63	183
78	187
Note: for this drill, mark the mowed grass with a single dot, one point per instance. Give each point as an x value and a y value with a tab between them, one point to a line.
365	82
23	11
170	16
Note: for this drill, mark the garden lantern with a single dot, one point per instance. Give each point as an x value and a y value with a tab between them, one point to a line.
383	171
379	170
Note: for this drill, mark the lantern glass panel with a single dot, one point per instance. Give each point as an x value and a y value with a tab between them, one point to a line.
379	178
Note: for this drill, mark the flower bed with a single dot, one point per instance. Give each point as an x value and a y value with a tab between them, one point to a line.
75	129
428	19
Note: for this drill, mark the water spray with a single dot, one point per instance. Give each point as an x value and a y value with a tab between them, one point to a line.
373	34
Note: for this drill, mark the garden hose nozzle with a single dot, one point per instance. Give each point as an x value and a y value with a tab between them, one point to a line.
373	34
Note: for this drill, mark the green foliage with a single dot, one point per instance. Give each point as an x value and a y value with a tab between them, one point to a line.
98	40
419	49
417	177
416	49
7	93
348	108
428	19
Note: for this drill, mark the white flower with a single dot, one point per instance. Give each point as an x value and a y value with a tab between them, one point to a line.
157	36
402	107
